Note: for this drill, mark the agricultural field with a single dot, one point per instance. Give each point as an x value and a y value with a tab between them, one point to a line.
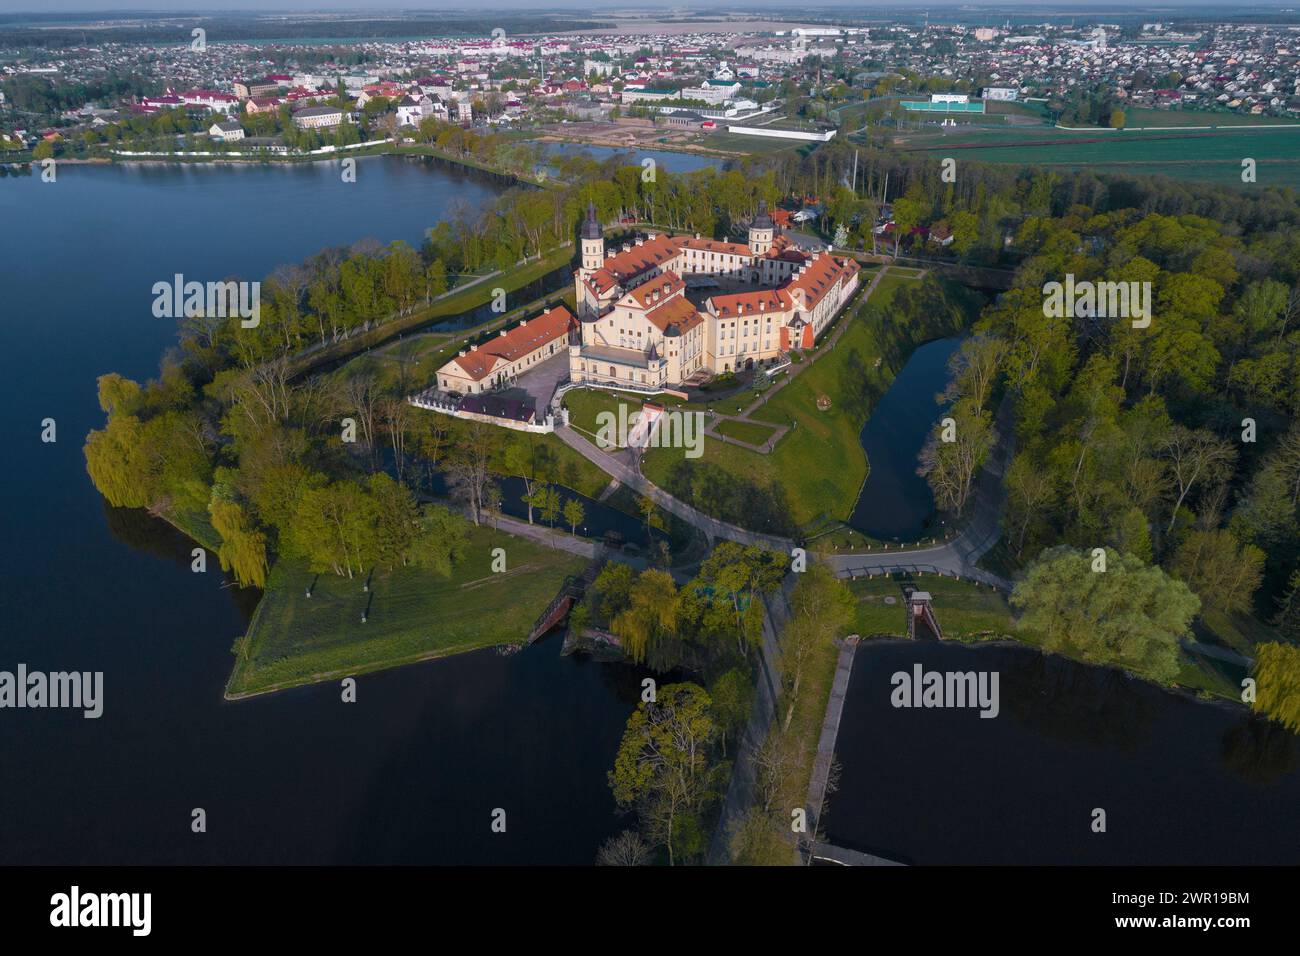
1207	156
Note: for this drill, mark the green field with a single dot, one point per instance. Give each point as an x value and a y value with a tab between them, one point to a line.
1210	155
751	432
965	611
413	614
586	404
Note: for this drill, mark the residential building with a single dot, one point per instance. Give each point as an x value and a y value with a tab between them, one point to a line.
318	117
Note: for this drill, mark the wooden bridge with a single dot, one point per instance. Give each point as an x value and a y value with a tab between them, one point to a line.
570	593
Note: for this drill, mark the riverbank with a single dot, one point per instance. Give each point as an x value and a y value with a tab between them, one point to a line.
309	627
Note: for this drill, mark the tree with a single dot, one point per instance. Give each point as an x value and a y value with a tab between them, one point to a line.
663	763
950	466
334	528
1029	490
1129	615
626	849
1223	573
119	462
649	618
469	468
1287	619
1277	679
397	519
440	540
574	514
822	607
1195	455
733	698
243	547
547	500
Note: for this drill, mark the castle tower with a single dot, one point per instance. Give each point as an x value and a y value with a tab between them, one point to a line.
761	231
593	241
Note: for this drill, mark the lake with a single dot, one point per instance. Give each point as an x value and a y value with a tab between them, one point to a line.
896	503
1181	781
668	159
413	770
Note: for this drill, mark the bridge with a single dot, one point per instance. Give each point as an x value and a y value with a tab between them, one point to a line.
570	593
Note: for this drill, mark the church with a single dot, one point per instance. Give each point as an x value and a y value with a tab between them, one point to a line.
748	303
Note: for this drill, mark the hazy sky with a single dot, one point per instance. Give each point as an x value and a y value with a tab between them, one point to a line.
155	6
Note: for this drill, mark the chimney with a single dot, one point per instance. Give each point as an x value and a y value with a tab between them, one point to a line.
473	348
522	323
502	332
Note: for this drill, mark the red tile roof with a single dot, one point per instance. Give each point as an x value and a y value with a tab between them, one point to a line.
750	303
637	259
526	337
657	289
820	276
678	312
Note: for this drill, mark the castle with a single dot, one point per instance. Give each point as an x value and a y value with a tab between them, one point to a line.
638	329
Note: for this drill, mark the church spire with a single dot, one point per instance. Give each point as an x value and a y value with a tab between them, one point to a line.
591	227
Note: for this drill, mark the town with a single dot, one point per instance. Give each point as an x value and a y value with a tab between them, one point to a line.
245	97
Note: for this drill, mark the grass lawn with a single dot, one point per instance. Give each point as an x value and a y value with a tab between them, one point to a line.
586	404
965	610
413	614
829	438
751	432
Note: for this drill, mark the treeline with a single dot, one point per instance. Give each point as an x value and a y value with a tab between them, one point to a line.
1169	441
35	93
672	766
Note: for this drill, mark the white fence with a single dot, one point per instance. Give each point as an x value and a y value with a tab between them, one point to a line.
323	151
822	137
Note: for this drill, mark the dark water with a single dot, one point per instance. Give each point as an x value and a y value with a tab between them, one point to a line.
896	503
598	521
1181	781
409	773
668	159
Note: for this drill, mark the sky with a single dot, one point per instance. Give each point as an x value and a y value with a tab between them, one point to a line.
377	6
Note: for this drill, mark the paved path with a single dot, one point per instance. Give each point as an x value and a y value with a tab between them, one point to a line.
1219	653
960	555
540	533
740	791
821	772
617	467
